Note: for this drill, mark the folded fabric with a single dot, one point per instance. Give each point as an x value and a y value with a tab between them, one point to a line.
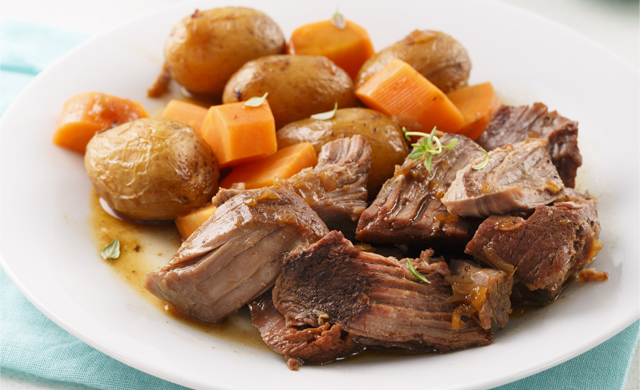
31	343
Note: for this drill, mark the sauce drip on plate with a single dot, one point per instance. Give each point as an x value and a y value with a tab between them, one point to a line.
147	248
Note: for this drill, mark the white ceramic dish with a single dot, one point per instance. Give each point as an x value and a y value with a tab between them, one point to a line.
47	248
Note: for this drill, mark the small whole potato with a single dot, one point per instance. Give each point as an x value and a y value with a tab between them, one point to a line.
152	169
435	55
298	86
206	48
387	142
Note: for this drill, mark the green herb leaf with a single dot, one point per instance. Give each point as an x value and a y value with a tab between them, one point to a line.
323	116
417	274
406	133
427	162
111	251
416	153
338	20
430	139
484	163
425	147
451	144
256	101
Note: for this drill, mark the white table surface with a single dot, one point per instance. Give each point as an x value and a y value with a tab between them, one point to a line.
613	24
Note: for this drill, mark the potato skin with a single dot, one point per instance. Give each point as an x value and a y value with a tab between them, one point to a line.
152	169
388	146
435	55
206	48
298	86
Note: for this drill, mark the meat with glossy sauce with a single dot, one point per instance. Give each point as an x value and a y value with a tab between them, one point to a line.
516	177
300	344
545	250
510	125
484	292
408	210
375	298
336	188
236	254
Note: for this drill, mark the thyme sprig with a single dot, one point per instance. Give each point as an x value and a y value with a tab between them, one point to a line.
323	116
338	20
256	101
417	274
483	163
428	146
111	251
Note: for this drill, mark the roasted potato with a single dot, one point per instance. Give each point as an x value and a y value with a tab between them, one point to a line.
298	86
206	48
388	146
152	169
435	55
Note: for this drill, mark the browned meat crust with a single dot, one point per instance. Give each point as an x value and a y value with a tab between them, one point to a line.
336	188
322	344
408	209
161	85
510	125
485	292
236	254
373	297
591	275
545	250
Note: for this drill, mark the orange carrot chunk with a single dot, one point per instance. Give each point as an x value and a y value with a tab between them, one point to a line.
239	134
477	103
85	113
399	90
187	113
283	164
347	47
189	223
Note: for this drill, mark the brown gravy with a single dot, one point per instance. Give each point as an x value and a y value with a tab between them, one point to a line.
147	248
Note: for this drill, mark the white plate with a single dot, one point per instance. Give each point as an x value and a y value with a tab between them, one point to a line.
47	247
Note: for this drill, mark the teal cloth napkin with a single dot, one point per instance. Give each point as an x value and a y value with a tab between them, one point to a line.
31	343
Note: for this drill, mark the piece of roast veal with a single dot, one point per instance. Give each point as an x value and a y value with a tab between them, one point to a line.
483	292
316	345
510	125
374	298
236	254
336	188
408	210
516	177
545	250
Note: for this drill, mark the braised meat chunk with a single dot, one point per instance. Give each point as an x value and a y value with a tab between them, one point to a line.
545	250
336	188
516	177
408	209
510	125
236	254
322	344
377	299
484	292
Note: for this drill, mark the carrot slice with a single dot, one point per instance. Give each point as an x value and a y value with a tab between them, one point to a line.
283	164
477	103
190	114
85	113
189	223
399	90
347	47
239	134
